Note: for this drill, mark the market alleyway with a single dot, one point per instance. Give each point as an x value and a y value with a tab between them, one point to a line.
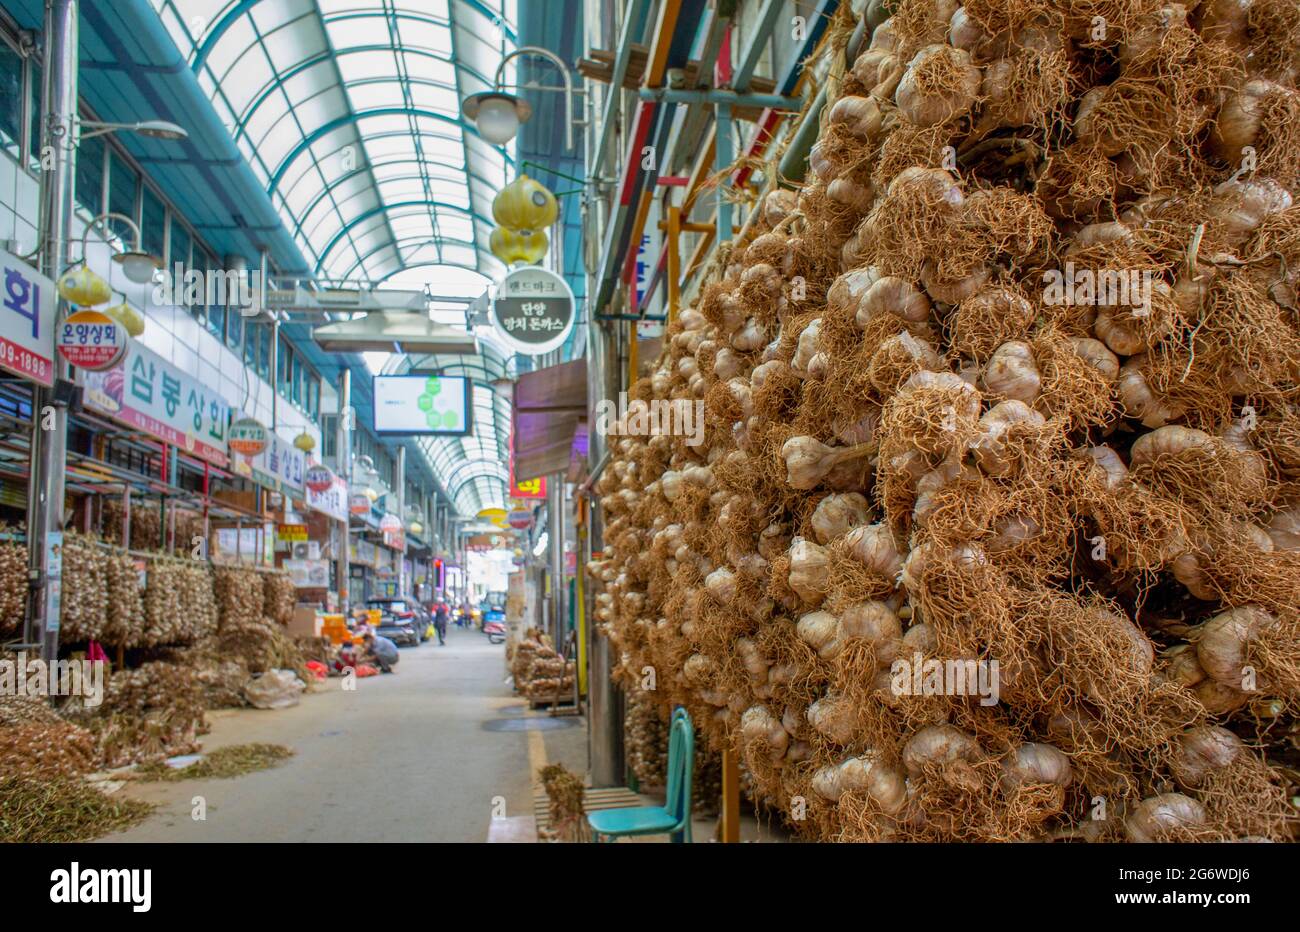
402	758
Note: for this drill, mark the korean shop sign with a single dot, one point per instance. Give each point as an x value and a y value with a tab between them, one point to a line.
331	500
280	465
91	340
28	303
156	397
533	311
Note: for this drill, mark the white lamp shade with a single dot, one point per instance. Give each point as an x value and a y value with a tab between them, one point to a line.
497	120
139	267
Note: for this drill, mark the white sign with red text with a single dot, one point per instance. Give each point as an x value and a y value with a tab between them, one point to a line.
28	302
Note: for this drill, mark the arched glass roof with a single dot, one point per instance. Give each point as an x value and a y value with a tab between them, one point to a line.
349	112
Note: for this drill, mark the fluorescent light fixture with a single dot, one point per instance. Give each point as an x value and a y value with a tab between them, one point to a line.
401	332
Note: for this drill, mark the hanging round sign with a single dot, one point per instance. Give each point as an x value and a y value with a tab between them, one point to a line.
319	479
248	437
533	311
92	340
359	503
521	519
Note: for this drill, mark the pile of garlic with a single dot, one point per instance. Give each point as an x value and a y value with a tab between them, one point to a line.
915	451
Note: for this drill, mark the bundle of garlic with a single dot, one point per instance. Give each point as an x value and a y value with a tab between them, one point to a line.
180	606
1002	439
85	590
279	595
150	712
239	593
13	584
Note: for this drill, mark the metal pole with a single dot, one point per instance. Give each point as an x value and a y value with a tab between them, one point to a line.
605	720
343	460
401	514
50	417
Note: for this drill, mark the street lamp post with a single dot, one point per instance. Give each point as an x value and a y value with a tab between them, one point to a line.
49	409
498	114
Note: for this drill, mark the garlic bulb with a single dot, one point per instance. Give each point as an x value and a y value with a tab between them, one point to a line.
860	116
773	541
873	66
757	723
920	638
1169	441
807	346
1139	401
990	448
1035	763
1222	641
1109	466
949	291
937	745
1156	817
837	514
934	186
809	569
726	364
1012	531
1097	355
808	460
1241	117
1284	529
874	624
882	784
893	295
897	357
833	716
818	630
1242	204
722	585
1200	751
940	83
750	337
847	291
1012	373
932	483
873	546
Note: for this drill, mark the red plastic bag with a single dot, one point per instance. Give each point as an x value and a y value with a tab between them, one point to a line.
317	669
365	669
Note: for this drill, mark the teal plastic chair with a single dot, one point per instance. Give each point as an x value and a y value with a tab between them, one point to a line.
674	818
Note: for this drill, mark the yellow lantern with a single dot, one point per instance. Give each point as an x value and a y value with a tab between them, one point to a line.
83	287
525	204
131	320
305	442
511	246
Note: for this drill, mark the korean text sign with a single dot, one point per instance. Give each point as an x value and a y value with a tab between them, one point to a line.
28	303
153	395
533	311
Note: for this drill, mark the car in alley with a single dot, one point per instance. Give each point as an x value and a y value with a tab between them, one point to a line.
402	621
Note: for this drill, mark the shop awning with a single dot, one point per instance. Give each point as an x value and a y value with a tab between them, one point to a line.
549	413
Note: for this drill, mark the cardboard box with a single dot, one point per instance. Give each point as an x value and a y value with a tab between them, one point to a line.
306	623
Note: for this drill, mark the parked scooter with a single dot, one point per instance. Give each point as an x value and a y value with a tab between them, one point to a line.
496	631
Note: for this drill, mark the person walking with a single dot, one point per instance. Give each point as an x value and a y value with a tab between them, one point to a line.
440	623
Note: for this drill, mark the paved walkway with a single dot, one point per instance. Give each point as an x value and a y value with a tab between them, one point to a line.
402	758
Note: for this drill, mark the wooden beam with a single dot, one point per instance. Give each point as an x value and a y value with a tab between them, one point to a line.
730	817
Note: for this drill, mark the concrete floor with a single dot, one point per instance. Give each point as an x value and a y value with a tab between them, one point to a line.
402	758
